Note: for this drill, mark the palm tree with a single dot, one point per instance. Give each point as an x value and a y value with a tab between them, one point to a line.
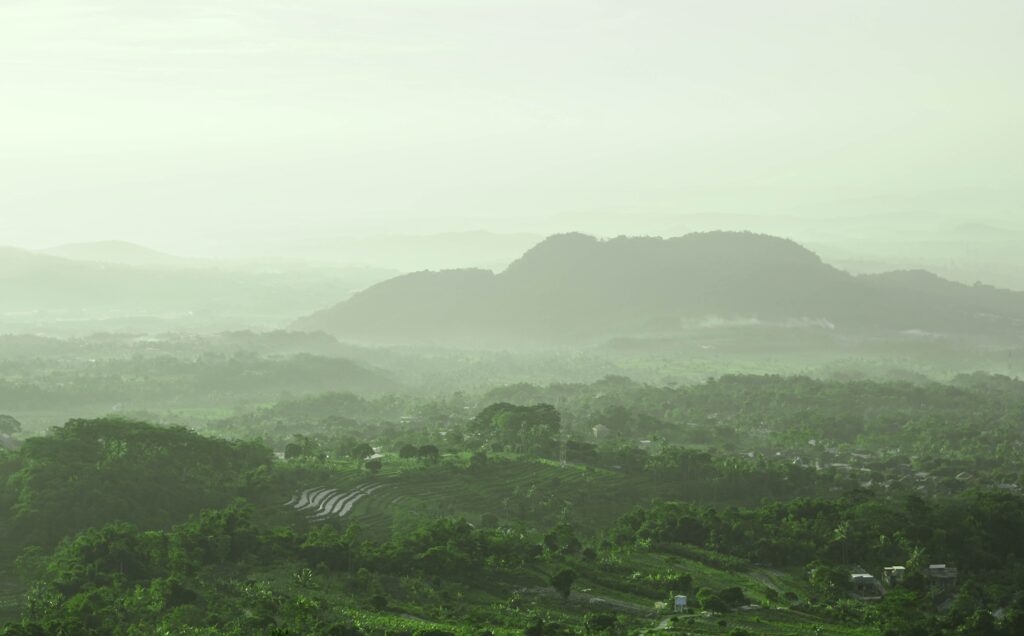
841	535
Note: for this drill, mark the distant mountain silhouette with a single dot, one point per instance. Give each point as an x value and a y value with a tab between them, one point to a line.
573	287
119	253
38	290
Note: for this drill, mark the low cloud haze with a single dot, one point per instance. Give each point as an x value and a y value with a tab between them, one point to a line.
253	128
451	317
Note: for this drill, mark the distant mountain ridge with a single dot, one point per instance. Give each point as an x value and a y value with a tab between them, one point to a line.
119	253
577	287
43	293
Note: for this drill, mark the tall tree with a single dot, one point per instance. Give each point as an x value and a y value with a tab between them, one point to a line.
9	425
563	580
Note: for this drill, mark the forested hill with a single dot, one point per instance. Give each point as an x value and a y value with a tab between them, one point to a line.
577	287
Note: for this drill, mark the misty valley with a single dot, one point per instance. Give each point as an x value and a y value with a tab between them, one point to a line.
718	433
511	318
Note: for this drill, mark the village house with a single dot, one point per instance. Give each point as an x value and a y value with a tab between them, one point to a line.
865	586
894	575
942	576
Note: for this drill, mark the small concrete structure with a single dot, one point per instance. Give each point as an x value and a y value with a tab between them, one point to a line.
893	575
680	603
865	585
942	576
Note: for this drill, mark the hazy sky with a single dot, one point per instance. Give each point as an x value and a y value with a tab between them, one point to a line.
187	124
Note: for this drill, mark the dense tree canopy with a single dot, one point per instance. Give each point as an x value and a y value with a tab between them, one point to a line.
91	471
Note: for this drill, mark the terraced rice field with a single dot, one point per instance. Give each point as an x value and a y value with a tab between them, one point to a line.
322	502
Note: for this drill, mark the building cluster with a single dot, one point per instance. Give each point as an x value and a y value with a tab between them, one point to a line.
866	586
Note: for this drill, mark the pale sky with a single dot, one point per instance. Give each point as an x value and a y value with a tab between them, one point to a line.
191	125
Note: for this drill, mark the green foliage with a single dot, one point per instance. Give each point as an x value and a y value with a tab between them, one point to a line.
478	460
168	380
562	581
529	430
361	451
710	601
562	540
833	581
979	529
118	578
139	529
89	472
429	453
600	623
974	417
